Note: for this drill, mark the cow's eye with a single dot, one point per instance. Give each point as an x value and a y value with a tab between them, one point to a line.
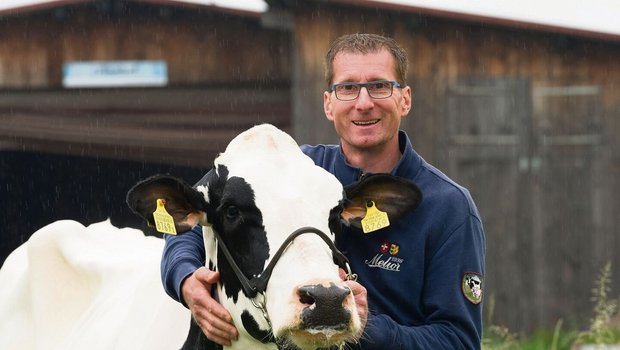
232	212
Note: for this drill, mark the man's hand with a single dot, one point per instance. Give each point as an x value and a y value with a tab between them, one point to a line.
361	300
214	320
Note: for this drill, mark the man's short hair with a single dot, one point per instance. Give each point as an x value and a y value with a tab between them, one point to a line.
367	43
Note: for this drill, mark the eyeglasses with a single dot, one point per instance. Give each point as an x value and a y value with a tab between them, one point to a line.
376	89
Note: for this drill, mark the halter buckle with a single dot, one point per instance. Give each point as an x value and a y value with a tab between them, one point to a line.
262	307
350	275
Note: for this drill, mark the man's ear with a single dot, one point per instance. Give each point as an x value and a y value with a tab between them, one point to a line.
391	194
406	101
186	205
327	106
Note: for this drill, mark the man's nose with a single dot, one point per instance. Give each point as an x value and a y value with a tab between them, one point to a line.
364	101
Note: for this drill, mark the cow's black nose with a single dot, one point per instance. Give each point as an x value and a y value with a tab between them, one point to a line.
325	306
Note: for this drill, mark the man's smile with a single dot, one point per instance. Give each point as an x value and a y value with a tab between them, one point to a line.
365	122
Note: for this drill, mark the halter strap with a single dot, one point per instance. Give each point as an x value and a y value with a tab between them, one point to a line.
258	284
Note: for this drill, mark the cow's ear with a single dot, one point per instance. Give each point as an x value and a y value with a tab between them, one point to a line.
393	195
185	204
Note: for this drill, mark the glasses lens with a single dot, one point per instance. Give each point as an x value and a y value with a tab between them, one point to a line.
380	89
376	89
347	92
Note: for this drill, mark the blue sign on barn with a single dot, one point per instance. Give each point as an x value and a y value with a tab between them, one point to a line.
102	74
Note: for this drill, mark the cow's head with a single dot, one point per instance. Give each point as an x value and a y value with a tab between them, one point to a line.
261	189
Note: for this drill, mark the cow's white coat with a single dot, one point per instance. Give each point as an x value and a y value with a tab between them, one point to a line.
72	287
291	192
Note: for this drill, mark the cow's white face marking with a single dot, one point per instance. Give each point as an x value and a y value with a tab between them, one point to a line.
290	192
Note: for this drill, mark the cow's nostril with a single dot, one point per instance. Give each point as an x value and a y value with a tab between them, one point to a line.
306	298
307	295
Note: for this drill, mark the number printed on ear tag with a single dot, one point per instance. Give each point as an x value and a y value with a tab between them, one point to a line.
164	222
375	219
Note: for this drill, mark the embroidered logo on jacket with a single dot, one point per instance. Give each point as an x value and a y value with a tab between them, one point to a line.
386	258
472	287
392	248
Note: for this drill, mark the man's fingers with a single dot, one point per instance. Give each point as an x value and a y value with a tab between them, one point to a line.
215	327
361	301
215	334
207	276
205	305
342	273
214	320
218	312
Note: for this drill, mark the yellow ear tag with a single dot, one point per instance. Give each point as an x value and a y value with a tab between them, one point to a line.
164	222
375	219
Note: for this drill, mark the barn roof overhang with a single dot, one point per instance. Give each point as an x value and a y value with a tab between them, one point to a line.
245	8
594	27
497	19
447	9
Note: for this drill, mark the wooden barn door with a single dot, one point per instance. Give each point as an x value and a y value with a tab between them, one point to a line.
530	157
567	200
489	133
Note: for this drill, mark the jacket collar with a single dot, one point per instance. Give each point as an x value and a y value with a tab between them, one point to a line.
407	167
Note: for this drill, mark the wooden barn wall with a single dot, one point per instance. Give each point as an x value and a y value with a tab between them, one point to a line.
528	121
225	74
199	46
177	126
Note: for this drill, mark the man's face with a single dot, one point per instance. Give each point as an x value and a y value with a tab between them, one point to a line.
366	123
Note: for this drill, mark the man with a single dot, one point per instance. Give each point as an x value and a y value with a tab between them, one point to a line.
414	289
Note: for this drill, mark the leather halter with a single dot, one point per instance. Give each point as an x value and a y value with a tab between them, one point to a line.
258	283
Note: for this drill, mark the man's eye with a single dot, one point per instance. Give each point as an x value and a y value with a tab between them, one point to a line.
381	85
349	87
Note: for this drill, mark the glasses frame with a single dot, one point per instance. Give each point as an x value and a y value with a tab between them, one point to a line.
393	84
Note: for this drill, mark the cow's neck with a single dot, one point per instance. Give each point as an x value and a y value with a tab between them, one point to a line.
260	338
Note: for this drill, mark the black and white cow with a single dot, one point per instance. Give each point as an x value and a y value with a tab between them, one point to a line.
260	191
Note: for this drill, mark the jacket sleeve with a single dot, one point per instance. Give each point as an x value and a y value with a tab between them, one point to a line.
183	254
452	320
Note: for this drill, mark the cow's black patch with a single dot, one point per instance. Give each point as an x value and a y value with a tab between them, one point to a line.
233	213
250	325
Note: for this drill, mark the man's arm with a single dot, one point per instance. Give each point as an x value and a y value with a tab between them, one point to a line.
186	280
183	254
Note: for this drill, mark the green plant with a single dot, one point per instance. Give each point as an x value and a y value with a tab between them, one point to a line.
601	330
497	337
556	339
